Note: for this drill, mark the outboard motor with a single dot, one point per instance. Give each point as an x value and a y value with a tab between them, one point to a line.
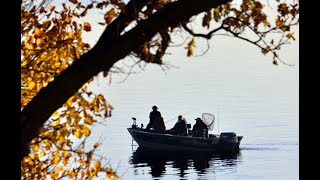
228	137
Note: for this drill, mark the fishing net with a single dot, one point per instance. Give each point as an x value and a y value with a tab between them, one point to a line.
208	119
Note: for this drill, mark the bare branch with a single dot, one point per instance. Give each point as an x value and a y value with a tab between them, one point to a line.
207	36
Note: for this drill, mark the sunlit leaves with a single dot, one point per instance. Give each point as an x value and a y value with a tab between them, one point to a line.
51	40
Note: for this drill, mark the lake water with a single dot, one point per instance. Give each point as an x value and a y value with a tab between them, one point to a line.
235	82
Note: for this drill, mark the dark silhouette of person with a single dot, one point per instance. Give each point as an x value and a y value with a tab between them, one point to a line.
180	128
200	129
156	121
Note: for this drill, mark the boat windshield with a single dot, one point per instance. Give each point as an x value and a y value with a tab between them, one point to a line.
208	119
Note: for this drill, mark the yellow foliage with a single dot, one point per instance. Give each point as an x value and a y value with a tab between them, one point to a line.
88	120
56	159
56	113
55	123
86	131
97	165
31	85
77	134
71	101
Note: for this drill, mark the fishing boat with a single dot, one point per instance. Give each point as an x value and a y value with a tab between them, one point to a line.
223	142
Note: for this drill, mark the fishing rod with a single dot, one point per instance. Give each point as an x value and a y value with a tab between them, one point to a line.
218	116
182	115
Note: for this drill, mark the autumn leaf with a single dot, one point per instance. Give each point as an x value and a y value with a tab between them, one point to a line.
74	1
51	8
38	42
206	19
266	50
31	85
275	58
56	113
86	131
56	123
101	4
110	15
56	159
87	26
216	14
96	145
37	33
290	36
191	45
88	120
97	165
108	173
71	101
77	134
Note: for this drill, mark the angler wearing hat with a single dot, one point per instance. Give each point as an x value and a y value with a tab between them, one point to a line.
156	120
200	129
180	128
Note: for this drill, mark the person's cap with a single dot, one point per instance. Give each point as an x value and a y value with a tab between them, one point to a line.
154	107
180	116
198	119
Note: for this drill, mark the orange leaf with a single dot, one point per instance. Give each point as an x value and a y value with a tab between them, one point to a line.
51	8
31	85
290	35
87	26
88	120
74	1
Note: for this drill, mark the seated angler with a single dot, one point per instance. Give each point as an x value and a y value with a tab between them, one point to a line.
200	129
180	128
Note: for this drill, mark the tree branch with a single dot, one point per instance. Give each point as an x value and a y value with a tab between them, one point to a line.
207	36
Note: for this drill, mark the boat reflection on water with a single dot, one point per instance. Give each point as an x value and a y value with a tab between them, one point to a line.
180	163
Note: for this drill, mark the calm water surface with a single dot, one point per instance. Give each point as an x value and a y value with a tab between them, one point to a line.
247	94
